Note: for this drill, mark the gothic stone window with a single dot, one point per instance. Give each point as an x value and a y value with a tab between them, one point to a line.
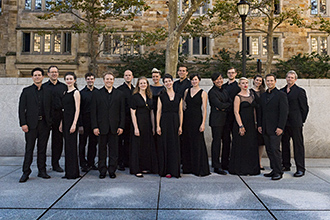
319	7
120	44
257	45
48	43
195	46
37	5
183	6
319	44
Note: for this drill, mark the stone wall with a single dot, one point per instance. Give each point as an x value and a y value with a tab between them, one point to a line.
316	129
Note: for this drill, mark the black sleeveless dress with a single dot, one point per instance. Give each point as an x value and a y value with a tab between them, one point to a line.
70	147
143	156
195	160
169	142
244	158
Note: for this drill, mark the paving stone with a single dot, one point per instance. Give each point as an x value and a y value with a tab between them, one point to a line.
302	215
100	214
5	170
14	214
35	193
293	196
125	191
204	195
213	214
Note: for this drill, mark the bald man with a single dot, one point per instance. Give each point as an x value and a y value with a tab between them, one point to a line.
127	88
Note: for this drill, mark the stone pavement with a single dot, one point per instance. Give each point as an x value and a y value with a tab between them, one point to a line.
152	197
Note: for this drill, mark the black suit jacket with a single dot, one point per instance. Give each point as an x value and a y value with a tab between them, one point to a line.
127	92
220	102
105	116
298	106
28	106
274	111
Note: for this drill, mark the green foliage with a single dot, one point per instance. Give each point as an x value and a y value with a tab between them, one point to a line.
142	64
306	65
91	14
222	62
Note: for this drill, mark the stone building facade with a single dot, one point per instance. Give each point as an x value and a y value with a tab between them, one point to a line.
27	42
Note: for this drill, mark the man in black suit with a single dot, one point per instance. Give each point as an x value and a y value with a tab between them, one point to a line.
298	111
183	82
273	114
57	88
220	103
232	88
124	139
108	122
35	119
85	128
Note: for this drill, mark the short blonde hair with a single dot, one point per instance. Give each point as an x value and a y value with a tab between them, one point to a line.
241	79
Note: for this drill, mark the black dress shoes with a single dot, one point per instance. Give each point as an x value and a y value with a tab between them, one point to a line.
286	168
121	167
112	175
102	176
298	173
277	176
85	169
58	169
220	171
24	177
271	174
43	175
94	167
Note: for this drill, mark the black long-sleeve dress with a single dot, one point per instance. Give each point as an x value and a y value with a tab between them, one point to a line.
70	147
143	156
169	142
194	158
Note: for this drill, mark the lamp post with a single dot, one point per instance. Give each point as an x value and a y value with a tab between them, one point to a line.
243	10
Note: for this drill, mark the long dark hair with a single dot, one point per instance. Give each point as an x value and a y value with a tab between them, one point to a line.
262	87
74	77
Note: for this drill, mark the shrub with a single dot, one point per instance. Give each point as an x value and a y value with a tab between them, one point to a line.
306	66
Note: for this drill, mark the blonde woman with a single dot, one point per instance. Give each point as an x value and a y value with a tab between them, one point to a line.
244	157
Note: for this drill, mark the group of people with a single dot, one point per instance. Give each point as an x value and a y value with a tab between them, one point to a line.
159	128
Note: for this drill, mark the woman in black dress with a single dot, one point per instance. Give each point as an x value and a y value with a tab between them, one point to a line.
156	90
244	157
257	89
195	158
169	127
71	108
143	157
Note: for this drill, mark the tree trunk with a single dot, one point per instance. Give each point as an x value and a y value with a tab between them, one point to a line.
172	54
270	33
92	67
175	29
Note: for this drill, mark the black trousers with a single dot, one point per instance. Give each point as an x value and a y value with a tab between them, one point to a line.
296	133
217	132
57	138
108	145
42	134
91	149
226	140
124	143
273	150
